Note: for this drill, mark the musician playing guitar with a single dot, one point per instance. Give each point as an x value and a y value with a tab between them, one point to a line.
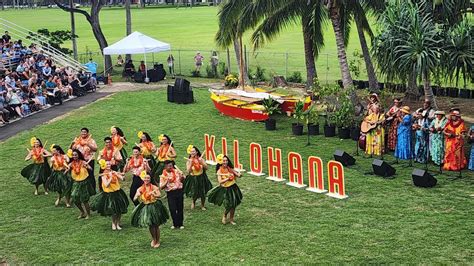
372	126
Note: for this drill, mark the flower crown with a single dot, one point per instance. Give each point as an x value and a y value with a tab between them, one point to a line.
69	153
32	141
220	158
189	149
143	175
102	164
140	134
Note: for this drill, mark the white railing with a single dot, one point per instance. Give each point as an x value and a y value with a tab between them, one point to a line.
42	43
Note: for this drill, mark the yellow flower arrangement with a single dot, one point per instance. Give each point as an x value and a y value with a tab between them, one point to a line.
32	141
220	158
69	153
231	81
189	149
102	163
143	175
140	134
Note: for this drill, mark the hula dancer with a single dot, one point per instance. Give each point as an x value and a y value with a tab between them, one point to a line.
111	201
39	171
110	154
136	164
151	212
197	184
147	148
82	189
164	153
59	181
87	146
454	131
118	140
227	192
171	181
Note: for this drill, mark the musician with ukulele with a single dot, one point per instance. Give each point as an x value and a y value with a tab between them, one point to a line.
421	128
393	122
471	140
372	126
403	149
455	130
437	137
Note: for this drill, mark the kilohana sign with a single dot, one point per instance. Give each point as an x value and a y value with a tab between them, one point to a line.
274	164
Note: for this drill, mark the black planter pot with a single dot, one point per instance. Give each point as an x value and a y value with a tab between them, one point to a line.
435	90
339	82
355	133
329	130
472	94
381	86
465	93
344	132
270	124
313	129
361	85
297	129
453	92
441	91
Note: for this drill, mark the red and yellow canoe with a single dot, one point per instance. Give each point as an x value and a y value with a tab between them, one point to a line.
289	102
239	107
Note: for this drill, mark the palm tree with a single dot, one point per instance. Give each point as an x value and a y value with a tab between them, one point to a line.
410	46
279	14
339	19
128	23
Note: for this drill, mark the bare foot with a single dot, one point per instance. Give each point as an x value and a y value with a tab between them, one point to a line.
152	244
118	227
36	192
224	220
157	245
203	208
46	192
68	205
56	203
114	227
81	216
192	206
232	223
87	217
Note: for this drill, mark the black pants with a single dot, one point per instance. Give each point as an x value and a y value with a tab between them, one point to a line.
99	178
91	174
176	206
137	182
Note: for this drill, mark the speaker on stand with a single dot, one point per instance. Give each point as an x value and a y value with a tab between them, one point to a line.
344	158
421	178
383	169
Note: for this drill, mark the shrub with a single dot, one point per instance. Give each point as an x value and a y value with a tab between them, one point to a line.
295	77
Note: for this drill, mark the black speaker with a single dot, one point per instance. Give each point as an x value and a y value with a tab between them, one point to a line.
381	168
422	178
158	66
138	77
344	158
170	93
181	85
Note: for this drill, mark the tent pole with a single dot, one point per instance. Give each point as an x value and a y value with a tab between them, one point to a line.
104	65
146	69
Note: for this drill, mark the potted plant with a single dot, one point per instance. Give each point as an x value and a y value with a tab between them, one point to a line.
344	117
312	120
355	129
329	125
298	114
231	81
271	107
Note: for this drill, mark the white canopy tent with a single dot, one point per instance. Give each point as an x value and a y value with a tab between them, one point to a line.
137	43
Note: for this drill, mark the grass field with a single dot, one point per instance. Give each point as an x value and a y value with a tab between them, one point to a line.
188	30
382	221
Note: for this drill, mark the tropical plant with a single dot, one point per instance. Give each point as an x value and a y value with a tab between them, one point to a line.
299	112
344	114
231	81
295	77
271	106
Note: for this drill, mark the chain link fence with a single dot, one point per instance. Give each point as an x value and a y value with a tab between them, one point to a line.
273	63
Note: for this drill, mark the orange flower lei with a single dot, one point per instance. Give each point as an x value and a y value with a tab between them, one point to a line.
105	154
147	145
196	164
133	161
116	140
163	153
173	173
37	153
146	190
59	160
76	166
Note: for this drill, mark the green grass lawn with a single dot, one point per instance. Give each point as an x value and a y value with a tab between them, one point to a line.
188	30
382	221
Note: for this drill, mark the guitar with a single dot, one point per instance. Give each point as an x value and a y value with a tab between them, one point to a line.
365	126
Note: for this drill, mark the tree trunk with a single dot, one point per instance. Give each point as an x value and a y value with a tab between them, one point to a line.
128	23
73	31
341	52
242	72
412	92
308	56
99	36
428	91
373	82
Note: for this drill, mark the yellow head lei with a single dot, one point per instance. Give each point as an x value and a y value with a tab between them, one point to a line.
52	147
140	134
69	153
220	158
32	141
189	149
111	128
102	164
160	137
143	175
